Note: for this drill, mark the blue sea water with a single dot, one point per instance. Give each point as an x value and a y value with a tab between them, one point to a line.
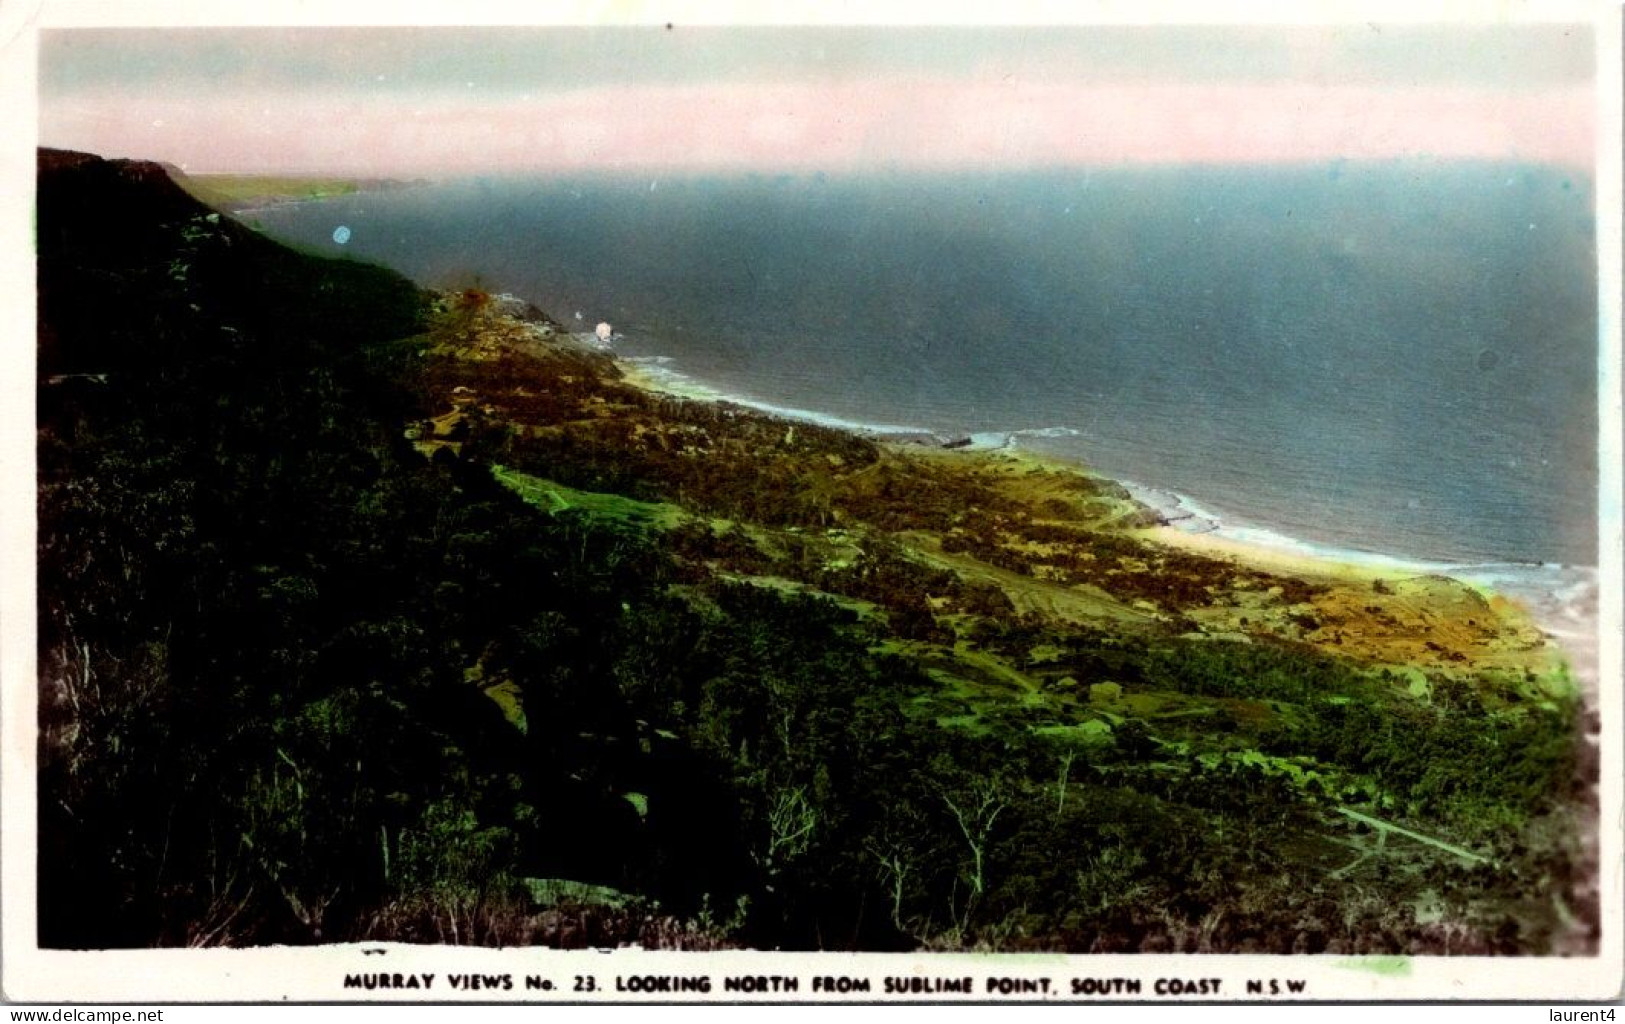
1382	358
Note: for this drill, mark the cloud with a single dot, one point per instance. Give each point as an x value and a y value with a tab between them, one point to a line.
877	122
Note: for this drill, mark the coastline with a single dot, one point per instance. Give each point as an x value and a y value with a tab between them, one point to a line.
1560	600
650	374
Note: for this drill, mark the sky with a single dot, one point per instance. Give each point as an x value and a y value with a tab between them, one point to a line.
706	99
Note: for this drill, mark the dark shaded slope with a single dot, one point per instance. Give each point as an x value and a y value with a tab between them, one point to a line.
250	700
191	495
133	271
267	625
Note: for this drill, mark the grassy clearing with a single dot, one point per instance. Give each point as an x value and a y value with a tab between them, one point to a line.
555	498
230	189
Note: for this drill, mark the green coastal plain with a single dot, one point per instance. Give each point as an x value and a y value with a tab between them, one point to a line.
234	192
370	613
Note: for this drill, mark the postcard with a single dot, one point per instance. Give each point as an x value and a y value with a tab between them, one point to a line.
717	504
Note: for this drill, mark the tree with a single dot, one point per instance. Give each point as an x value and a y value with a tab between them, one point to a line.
790	823
975	810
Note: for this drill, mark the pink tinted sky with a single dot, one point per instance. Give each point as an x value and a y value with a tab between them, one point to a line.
847	126
993	114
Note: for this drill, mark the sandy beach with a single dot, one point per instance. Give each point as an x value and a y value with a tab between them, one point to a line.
1559	601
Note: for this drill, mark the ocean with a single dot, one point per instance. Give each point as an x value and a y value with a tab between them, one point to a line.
1371	360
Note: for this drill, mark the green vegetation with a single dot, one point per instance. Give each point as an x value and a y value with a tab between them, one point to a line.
369	614
212	188
554	498
244	191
